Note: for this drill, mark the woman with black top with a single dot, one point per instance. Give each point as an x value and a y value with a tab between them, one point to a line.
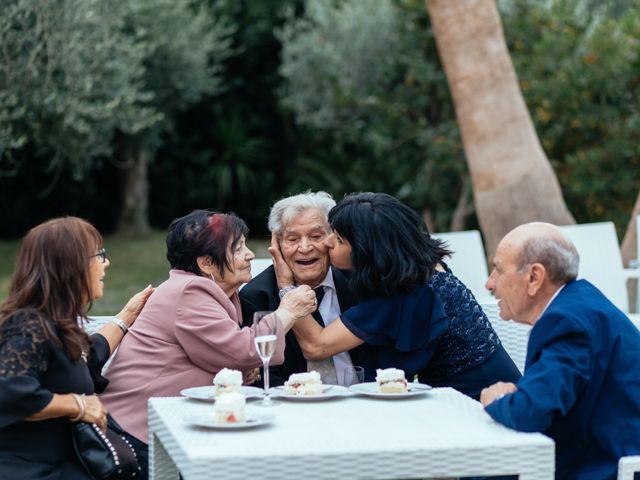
49	367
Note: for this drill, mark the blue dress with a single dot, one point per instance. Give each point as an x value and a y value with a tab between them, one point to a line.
437	332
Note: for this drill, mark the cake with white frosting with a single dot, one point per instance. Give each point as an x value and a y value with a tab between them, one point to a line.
230	408
391	380
302	384
227	380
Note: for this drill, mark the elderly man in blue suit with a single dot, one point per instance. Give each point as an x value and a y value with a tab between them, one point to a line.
581	384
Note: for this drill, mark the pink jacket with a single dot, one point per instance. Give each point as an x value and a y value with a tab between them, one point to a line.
188	331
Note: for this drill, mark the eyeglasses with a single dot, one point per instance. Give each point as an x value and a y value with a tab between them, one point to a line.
102	253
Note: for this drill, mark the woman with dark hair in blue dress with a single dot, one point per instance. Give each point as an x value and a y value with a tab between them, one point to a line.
413	313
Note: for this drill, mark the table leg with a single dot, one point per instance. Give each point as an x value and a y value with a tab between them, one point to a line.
161	467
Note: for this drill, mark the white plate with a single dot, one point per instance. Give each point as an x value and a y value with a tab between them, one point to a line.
328	391
207	421
371	389
208	392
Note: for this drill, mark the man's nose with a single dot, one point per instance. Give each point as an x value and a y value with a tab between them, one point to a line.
305	244
490	284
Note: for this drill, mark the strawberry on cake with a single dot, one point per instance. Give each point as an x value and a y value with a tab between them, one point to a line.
227	380
230	408
391	380
302	384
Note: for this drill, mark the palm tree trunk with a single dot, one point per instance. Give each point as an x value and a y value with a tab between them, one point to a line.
513	181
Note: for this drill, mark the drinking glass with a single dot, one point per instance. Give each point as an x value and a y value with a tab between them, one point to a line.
265	324
352	375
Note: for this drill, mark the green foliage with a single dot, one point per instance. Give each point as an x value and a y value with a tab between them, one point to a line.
364	83
82	80
74	71
232	151
66	76
579	70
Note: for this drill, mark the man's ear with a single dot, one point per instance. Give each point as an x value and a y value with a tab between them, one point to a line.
537	276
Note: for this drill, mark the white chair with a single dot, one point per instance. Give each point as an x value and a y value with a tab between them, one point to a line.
468	261
96	323
627	466
514	336
601	261
258	265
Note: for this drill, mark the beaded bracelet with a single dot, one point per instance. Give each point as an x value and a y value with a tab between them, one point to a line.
82	408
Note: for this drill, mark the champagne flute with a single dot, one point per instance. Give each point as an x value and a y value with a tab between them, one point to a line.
265	324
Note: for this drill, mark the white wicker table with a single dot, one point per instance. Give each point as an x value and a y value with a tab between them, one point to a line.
440	434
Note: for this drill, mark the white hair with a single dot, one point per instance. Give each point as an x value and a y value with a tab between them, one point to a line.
558	255
286	209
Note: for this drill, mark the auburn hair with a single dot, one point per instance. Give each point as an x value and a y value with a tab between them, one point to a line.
52	279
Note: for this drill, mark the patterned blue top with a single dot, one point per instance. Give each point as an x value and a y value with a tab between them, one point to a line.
470	338
437	331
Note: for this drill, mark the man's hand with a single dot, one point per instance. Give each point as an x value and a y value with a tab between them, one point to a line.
496	392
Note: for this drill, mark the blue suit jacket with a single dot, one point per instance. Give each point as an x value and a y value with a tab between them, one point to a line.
581	384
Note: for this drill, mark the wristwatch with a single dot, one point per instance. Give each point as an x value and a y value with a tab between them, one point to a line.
122	325
284	290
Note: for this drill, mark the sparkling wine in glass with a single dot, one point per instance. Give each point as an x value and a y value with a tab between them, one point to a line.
265	324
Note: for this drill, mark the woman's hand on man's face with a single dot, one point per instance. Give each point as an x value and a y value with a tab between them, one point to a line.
284	275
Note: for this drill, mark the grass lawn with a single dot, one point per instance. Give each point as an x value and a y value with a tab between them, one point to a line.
135	263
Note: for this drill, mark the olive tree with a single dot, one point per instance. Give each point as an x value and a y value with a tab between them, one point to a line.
85	80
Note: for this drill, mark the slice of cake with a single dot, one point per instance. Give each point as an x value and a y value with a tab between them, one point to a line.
391	380
230	408
227	380
307	383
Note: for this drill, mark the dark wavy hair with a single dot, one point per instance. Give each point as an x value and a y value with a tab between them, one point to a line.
391	249
200	233
52	280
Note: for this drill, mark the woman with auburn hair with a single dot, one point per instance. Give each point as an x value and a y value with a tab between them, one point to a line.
191	328
414	313
49	367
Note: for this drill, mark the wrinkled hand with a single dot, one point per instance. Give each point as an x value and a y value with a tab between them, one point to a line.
284	275
134	306
250	376
300	301
496	392
95	412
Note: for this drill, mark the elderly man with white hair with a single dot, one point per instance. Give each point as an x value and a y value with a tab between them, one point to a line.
581	384
299	225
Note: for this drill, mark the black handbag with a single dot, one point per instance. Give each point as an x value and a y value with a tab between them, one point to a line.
105	456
